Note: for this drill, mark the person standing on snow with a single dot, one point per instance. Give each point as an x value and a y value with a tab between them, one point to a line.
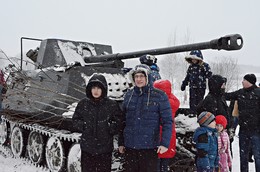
196	76
151	61
215	101
98	118
145	110
166	86
206	142
225	162
248	100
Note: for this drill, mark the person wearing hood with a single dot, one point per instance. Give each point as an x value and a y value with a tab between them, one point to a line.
166	86
98	118
248	100
215	101
196	76
145	110
151	61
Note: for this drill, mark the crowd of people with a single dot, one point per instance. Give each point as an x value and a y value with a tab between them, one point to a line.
218	121
145	120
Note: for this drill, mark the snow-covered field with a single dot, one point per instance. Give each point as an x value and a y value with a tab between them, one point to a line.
17	165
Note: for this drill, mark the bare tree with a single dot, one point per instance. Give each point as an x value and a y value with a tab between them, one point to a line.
227	67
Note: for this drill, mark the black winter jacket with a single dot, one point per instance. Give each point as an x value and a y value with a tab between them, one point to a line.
215	101
98	120
248	107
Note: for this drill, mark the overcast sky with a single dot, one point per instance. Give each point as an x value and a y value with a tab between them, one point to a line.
131	25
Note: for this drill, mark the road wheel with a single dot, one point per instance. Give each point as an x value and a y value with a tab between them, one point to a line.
74	158
54	153
17	142
35	147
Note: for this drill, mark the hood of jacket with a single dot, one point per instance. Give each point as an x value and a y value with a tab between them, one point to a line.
141	68
164	85
97	80
215	82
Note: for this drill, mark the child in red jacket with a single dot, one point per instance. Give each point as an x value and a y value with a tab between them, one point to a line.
166	86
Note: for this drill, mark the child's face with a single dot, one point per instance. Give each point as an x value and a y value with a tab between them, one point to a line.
194	61
219	127
96	92
212	124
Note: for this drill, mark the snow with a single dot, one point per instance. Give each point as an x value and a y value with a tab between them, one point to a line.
8	164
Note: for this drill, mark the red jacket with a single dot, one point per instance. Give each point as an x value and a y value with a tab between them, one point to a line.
166	86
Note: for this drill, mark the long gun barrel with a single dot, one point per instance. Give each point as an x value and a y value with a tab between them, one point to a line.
228	42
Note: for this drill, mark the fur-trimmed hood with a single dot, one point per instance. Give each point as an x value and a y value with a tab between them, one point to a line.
194	54
141	68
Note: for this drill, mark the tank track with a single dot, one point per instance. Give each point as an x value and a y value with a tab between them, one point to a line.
6	152
63	135
50	132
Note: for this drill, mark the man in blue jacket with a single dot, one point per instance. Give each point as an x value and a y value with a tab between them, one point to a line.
145	108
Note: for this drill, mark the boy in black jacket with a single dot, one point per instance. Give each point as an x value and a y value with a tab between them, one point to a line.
97	117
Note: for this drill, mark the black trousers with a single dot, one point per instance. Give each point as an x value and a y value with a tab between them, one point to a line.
144	160
196	96
96	163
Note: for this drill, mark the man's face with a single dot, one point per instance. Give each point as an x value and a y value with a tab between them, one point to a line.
140	80
246	84
96	92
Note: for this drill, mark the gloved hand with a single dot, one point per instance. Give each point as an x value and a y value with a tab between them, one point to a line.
183	87
231	133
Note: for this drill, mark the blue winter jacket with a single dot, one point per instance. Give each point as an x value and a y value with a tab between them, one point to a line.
155	72
145	109
206	140
197	74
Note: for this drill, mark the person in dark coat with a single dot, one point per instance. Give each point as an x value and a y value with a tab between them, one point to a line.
248	99
98	118
215	101
145	110
196	76
151	61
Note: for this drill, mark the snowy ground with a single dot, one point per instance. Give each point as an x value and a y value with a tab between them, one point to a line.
18	165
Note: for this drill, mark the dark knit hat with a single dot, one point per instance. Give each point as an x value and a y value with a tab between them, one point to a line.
220	119
250	78
205	118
